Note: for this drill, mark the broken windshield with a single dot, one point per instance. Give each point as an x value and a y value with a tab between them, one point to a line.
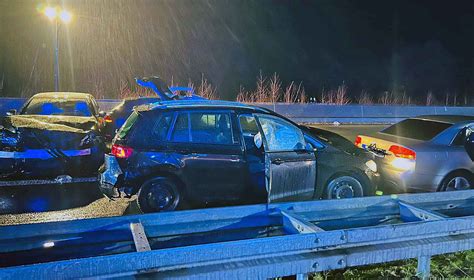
78	108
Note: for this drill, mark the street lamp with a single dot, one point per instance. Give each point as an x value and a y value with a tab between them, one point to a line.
57	15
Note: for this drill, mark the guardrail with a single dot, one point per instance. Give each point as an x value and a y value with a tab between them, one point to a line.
316	113
256	241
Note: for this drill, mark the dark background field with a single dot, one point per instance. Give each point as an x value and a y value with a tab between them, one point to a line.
374	47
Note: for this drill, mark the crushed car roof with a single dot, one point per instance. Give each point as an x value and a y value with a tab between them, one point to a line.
65	95
182	104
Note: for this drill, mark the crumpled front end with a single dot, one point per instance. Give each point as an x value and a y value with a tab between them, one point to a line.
31	152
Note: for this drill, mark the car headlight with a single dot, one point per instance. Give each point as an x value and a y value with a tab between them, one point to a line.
371	165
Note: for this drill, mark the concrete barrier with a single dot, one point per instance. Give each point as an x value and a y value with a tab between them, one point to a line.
324	113
314	113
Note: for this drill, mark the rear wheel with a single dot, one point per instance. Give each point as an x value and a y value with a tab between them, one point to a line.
457	181
344	186
158	194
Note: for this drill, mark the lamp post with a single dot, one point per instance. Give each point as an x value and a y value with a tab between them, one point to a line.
57	15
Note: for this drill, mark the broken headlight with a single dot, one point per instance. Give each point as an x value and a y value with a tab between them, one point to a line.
9	139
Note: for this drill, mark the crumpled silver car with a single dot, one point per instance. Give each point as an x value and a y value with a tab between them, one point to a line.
424	154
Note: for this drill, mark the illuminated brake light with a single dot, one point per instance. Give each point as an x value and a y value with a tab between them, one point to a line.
402	152
358	141
121	151
108	119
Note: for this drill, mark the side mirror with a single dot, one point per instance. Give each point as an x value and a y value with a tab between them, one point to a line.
102	114
257	140
11	112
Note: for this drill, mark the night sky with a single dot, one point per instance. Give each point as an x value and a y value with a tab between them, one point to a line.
374	46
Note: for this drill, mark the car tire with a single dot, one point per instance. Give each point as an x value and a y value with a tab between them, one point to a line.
345	185
459	180
158	195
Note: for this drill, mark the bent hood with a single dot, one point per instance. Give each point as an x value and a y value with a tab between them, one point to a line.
56	123
24	132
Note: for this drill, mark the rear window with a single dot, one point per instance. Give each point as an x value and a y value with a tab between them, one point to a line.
125	129
417	129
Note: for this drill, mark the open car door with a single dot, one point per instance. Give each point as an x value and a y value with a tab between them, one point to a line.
290	167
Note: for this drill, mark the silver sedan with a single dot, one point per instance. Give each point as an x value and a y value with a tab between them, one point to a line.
424	154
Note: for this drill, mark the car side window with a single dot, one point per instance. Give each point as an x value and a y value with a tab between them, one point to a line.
281	135
203	127
249	128
210	127
181	129
161	126
248	124
460	139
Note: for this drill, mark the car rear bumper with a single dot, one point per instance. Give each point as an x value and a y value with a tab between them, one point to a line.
109	177
407	181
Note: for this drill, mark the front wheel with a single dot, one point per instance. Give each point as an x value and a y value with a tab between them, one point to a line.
158	194
344	186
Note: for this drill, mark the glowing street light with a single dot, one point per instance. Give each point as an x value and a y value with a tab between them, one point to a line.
57	15
50	12
53	13
65	16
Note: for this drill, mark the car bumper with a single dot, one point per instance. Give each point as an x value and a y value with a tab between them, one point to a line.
374	180
43	164
407	181
109	177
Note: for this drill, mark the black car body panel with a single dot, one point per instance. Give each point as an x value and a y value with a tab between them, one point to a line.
337	155
46	146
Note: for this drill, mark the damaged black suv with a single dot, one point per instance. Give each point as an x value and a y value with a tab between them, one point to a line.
174	152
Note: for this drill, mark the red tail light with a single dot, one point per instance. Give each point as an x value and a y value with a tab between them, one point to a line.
358	141
108	119
121	151
402	152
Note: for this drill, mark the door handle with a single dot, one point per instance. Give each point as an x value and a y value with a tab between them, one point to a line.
277	161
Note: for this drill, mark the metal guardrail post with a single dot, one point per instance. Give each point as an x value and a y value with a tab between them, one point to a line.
294	223
139	237
424	263
411	213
